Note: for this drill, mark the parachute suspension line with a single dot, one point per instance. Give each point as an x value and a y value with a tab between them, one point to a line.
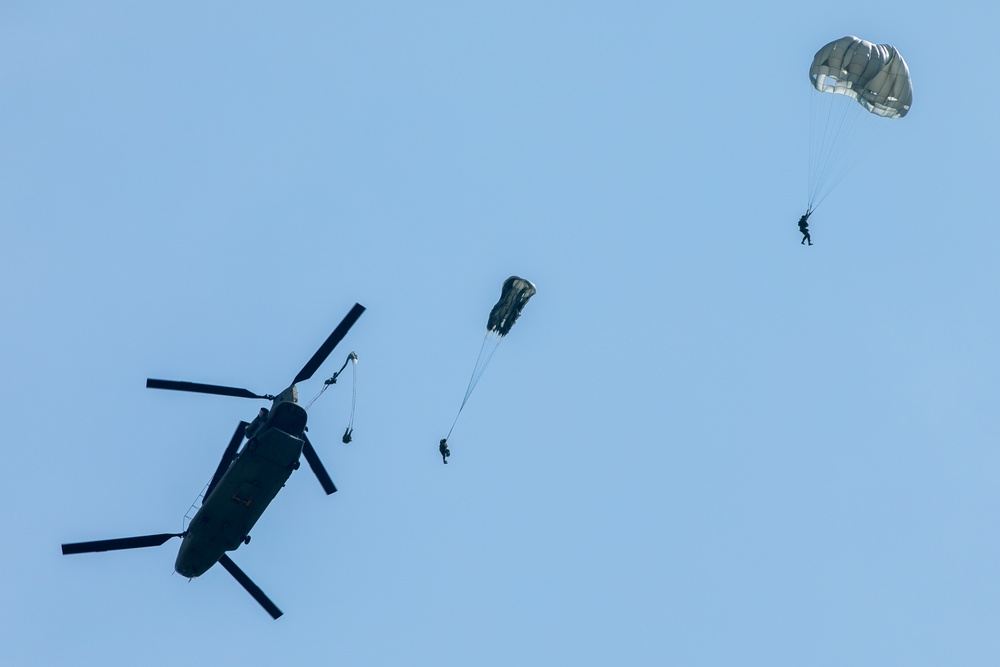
490	344
476	373
491	341
866	129
870	132
821	146
841	133
831	112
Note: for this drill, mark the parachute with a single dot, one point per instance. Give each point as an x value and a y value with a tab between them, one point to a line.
876	77
514	296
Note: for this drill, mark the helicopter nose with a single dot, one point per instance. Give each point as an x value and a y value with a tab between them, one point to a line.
186	572
192	561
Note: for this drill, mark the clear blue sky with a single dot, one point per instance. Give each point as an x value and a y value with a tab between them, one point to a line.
703	444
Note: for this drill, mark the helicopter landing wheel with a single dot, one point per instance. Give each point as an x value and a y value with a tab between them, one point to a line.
246	540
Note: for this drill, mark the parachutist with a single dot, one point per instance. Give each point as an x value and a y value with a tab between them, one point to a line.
513	296
347	435
804	228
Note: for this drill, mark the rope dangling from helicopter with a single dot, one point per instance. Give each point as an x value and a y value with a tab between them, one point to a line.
352	358
354	397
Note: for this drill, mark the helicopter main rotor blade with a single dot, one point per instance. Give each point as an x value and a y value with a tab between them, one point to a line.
317	466
227	458
251	587
327	347
118	543
203	388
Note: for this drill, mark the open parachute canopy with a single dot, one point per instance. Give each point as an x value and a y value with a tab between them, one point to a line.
842	133
514	294
873	74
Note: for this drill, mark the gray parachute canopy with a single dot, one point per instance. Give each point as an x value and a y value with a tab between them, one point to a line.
873	74
514	295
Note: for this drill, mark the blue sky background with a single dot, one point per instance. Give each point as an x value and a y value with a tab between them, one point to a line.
703	444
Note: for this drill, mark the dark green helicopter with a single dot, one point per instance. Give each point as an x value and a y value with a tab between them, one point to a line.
244	483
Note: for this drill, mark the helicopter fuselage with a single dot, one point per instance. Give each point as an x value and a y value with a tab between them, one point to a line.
246	479
244	491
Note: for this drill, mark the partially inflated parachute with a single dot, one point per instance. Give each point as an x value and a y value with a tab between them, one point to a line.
873	75
513	296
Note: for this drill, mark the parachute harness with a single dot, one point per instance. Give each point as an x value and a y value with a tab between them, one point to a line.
352	359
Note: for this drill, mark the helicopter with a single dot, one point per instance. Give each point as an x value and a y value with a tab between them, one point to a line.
244	482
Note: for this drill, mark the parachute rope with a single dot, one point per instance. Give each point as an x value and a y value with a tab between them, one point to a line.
491	341
841	134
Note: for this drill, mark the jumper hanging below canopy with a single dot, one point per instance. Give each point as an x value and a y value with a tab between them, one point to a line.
859	88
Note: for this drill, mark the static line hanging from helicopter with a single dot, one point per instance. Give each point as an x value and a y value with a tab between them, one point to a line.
246	482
